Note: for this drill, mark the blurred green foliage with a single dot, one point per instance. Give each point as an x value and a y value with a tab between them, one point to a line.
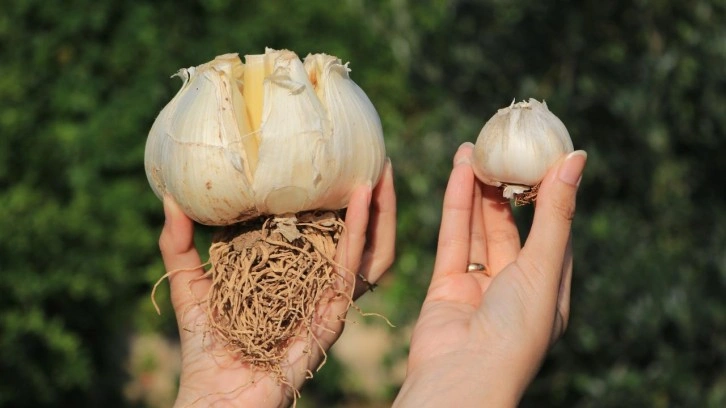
641	86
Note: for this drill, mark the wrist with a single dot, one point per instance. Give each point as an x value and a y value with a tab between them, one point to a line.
459	384
261	392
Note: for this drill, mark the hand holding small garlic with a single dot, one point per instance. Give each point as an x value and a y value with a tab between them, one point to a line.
517	146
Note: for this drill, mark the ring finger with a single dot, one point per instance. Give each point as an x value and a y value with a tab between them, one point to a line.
478	249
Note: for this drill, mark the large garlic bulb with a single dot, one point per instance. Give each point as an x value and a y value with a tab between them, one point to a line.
517	146
271	136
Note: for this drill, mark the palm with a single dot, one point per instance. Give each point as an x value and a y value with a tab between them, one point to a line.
506	316
210	377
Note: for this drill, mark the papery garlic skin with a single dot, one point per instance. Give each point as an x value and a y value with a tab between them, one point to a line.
272	136
194	146
357	139
517	146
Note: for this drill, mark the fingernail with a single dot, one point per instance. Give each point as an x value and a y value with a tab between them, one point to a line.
571	170
461	157
462	160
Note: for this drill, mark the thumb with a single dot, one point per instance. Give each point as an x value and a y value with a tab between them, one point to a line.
550	232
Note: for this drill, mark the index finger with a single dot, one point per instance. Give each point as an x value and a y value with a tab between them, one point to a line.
180	256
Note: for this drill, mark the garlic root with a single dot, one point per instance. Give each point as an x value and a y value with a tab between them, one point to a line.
267	291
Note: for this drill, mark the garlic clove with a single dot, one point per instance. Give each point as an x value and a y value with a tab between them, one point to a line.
357	139
195	149
294	133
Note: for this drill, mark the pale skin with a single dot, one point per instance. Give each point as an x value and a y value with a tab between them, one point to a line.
215	380
480	337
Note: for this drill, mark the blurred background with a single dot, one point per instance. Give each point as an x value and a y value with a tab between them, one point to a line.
641	85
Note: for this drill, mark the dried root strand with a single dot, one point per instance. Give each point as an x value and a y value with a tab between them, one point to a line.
266	287
527	197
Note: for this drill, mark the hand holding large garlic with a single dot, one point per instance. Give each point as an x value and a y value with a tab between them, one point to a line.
270	136
272	141
517	146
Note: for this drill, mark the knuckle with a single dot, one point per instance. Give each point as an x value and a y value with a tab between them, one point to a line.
564	209
500	236
534	272
478	236
385	261
165	241
452	243
162	242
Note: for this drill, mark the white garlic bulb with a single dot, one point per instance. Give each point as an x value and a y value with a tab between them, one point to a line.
271	136
517	146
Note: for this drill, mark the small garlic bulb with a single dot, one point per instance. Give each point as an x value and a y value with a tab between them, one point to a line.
518	145
272	136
